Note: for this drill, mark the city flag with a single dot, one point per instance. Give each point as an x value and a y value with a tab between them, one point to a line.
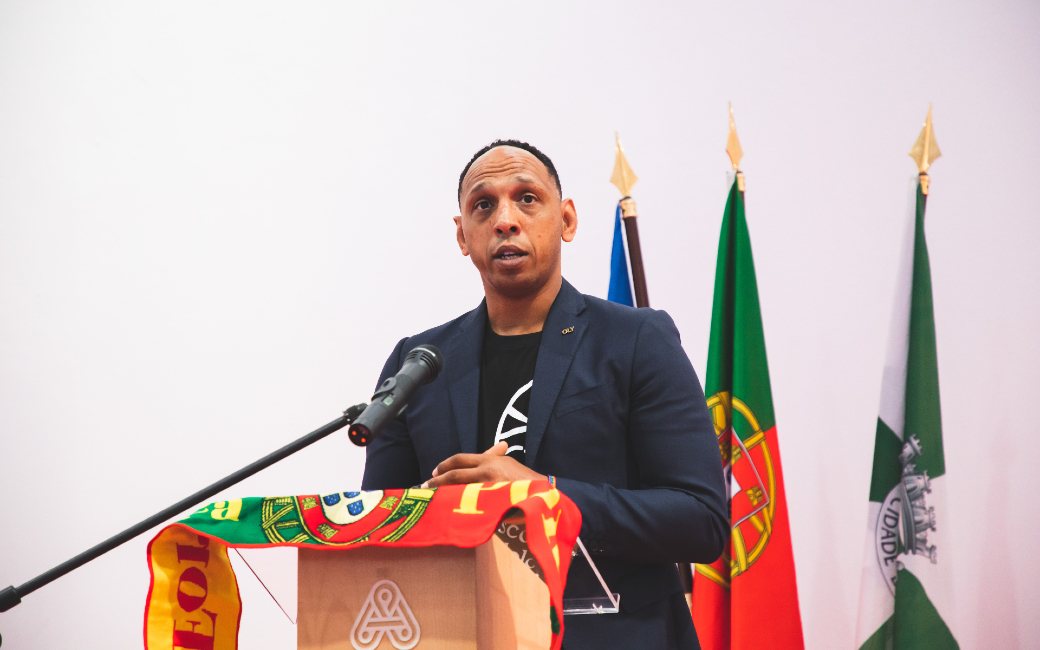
620	289
904	594
193	600
748	598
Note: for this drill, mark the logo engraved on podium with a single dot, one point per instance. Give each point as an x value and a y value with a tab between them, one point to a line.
385	612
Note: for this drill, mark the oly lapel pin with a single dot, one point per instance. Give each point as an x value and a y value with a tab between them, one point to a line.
568	330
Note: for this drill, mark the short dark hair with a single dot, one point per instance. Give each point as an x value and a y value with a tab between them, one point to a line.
529	148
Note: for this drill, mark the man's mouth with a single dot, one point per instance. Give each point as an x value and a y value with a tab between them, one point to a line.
509	253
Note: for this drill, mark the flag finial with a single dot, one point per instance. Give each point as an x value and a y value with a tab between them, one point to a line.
733	143
734	150
926	150
623	177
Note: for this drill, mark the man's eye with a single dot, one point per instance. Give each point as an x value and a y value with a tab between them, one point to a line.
528	198
482	205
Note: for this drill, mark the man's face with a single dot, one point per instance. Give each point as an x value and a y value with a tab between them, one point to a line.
513	222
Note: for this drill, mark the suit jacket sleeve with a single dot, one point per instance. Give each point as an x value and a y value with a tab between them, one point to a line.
677	509
390	460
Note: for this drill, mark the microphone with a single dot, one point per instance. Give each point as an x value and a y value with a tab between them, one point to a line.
421	366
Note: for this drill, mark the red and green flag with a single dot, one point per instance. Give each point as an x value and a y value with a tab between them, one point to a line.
748	598
193	601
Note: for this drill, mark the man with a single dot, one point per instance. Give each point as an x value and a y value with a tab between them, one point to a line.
541	380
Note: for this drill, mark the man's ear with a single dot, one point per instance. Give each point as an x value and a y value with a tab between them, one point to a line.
570	219
460	236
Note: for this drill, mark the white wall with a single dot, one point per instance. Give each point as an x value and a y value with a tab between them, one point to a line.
216	219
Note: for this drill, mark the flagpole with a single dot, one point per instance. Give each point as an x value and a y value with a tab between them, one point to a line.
910	420
735	154
624	178
757	568
628	214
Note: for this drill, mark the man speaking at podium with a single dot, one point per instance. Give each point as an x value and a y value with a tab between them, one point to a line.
543	382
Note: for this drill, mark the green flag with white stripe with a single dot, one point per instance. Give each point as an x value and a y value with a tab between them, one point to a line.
905	594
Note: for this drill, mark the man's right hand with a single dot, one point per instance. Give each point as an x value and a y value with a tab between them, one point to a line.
492	466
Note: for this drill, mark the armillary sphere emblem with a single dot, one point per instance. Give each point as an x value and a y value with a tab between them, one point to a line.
751	479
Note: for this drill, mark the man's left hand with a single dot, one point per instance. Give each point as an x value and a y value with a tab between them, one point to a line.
491	466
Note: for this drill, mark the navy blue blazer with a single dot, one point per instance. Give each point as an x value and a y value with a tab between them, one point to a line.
618	415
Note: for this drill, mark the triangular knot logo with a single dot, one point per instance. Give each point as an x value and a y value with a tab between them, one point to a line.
385	612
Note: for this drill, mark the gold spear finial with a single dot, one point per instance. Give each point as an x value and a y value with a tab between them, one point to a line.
734	150
624	178
926	150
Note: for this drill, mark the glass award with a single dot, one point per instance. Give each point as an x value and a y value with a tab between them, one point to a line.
586	593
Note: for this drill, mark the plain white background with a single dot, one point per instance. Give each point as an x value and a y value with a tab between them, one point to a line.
217	218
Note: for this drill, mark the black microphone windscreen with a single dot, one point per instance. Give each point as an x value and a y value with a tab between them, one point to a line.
430	356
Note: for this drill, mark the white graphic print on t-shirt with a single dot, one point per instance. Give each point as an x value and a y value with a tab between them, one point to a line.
512	412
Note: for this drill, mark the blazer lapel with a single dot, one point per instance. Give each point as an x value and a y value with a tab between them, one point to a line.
463	365
563	330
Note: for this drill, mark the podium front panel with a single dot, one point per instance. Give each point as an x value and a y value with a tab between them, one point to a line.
428	598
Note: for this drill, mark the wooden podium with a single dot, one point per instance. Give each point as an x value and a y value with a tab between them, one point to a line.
434	597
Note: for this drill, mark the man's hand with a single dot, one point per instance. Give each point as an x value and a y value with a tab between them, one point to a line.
491	466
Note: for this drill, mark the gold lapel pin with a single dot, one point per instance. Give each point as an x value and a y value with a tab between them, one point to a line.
569	330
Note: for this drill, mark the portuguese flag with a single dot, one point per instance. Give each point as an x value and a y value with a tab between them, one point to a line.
748	598
193	600
904	591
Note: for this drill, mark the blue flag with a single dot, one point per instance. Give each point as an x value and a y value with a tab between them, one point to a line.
620	290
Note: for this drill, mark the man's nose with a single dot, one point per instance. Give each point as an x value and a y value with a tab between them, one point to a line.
507	220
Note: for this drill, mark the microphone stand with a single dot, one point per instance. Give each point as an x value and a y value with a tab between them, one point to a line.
10	596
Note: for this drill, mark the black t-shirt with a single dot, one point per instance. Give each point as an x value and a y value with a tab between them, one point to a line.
506	377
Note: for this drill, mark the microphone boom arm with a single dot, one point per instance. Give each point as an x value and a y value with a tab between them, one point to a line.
11	596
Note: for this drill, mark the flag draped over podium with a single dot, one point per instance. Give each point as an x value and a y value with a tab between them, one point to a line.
193	600
748	598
